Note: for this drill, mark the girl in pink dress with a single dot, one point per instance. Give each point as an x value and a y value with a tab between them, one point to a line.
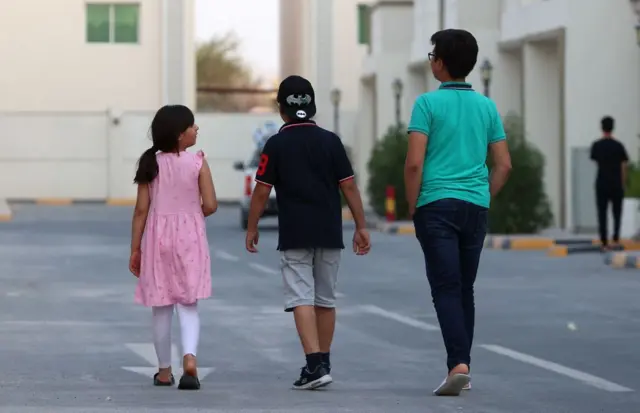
169	247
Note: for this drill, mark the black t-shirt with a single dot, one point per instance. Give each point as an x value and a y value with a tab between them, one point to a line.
306	164
609	154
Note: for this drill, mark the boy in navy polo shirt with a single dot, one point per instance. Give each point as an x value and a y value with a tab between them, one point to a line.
448	189
308	166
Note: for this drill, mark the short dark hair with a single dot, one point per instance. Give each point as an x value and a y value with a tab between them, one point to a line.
607	123
457	49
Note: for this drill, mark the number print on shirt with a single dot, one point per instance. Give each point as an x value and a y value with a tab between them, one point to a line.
262	166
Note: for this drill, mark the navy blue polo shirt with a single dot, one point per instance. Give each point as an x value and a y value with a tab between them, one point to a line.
306	164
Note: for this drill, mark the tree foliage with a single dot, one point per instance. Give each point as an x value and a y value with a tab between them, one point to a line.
386	167
632	189
220	64
522	207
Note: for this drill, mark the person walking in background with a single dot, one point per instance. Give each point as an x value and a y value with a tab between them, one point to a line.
169	246
308	166
448	190
611	158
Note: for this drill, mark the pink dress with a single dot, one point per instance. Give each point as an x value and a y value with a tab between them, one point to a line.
175	263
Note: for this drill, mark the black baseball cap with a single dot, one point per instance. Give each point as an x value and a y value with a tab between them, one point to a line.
296	98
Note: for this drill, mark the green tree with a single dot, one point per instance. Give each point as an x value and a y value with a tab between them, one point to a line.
522	207
386	167
633	181
219	64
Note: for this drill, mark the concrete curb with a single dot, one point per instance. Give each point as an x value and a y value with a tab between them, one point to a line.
559	251
622	260
533	243
555	247
5	211
396	228
594	247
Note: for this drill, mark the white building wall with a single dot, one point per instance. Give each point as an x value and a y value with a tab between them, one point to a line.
390	53
542	111
560	64
537	18
49	66
329	53
347	52
85	156
391	50
602	77
597	68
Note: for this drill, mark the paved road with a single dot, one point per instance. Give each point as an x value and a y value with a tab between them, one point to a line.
554	335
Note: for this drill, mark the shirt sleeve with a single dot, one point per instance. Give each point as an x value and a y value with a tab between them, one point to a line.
593	155
420	116
496	129
342	164
267	173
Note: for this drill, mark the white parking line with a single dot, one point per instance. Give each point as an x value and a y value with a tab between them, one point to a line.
263	268
226	256
372	309
586	378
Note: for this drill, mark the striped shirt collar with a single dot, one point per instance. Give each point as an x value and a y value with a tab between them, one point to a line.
456	86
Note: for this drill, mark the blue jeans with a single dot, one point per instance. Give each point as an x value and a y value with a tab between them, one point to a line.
451	233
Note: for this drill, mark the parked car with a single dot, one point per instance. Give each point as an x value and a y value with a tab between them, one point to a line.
249	170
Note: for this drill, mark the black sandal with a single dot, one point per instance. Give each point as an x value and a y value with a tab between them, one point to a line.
188	382
157	382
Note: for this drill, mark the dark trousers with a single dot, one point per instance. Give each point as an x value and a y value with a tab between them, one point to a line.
451	233
604	195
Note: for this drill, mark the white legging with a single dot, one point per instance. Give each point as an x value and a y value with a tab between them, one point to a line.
189	330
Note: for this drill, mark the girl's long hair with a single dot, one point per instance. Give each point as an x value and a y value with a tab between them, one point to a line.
167	126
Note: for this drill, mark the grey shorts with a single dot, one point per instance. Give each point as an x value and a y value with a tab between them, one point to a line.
310	277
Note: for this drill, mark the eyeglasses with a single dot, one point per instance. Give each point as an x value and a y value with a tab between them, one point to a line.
432	56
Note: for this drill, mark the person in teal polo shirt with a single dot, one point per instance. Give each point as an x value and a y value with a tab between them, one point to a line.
449	188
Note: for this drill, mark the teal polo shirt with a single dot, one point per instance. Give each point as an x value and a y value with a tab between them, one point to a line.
460	125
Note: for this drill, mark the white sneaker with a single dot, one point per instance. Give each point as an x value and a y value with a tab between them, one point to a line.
453	385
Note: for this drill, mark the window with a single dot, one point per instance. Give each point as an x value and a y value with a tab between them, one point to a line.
112	23
364	23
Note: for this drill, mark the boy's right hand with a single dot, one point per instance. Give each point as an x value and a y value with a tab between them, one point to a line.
361	242
251	241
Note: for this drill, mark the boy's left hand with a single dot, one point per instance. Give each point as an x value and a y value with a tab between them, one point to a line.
134	263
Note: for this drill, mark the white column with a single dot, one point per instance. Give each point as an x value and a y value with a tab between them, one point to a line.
542	106
324	61
506	85
164	10
174	39
416	86
365	135
189	81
